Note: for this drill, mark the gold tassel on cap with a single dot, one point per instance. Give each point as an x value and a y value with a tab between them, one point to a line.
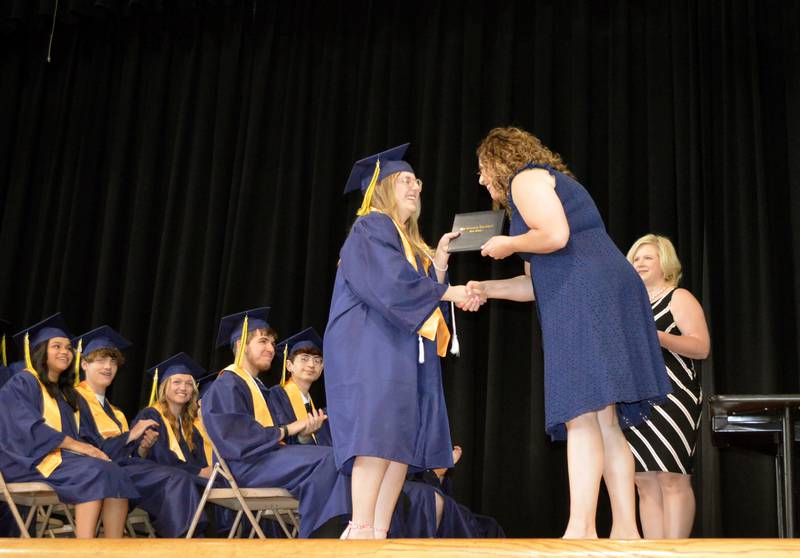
78	363
3	350
367	203
153	389
285	356
28	363
242	343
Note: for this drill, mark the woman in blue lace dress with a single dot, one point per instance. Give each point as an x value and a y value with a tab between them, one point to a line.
602	361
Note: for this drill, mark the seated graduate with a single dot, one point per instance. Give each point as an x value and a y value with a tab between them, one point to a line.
105	426
237	418
39	430
181	443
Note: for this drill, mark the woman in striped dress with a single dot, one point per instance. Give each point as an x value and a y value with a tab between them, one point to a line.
664	445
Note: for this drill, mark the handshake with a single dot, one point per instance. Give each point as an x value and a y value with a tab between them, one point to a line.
469	297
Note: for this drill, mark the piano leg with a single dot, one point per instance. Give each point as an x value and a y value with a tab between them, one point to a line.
779	491
788	469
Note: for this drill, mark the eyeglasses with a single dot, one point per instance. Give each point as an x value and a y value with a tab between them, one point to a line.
409	181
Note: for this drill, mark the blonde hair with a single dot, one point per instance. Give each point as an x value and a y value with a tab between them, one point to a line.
189	413
383	199
504	151
670	264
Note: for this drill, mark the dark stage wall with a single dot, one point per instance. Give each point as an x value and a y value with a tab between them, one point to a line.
178	161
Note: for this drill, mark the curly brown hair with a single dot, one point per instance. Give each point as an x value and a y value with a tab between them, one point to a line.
504	151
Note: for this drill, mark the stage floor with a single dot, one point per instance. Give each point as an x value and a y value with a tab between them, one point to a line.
435	548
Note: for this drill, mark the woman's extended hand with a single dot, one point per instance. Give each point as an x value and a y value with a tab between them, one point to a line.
498	247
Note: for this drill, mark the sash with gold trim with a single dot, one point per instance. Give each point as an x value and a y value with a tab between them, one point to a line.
52	418
260	409
297	402
174	446
208	451
105	424
434	327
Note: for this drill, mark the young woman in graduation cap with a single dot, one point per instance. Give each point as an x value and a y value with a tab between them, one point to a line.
39	433
105	426
385	334
181	443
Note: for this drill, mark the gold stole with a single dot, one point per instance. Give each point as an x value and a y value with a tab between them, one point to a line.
105	424
296	400
260	409
174	446
207	449
52	418
434	327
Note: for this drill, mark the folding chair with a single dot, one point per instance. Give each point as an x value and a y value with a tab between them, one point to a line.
39	497
139	517
273	503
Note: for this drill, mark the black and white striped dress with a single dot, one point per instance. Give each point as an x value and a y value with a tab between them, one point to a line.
666	441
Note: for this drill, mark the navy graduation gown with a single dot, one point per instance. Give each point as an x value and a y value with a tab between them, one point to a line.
381	401
257	459
27	439
168	495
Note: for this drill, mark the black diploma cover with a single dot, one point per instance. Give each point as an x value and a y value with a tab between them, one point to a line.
476	228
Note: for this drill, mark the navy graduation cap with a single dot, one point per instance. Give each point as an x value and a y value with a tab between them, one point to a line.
307	338
180	363
47	329
102	337
230	327
367	172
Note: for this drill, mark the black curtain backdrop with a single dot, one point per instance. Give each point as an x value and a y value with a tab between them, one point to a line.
177	161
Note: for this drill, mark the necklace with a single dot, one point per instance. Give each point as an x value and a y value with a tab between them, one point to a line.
655	296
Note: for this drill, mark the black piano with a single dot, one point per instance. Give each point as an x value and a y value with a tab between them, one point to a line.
769	421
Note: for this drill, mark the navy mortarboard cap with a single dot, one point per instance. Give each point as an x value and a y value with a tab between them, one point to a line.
205	382
180	363
230	327
370	170
102	338
306	339
51	327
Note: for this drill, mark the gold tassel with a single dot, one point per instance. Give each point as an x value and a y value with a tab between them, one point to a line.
367	203
3	350
242	343
28	363
153	389
285	356
78	363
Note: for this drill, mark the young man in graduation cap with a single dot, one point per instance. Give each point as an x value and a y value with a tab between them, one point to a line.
301	365
238	419
105	426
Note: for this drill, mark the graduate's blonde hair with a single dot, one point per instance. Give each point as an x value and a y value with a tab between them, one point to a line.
667	256
189	414
383	199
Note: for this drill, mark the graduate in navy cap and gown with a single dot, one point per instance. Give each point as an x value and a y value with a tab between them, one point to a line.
239	421
105	426
39	433
182	444
385	334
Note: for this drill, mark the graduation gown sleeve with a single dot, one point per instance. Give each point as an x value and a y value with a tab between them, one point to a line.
26	438
229	420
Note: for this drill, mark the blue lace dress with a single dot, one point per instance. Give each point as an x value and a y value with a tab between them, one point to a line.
600	343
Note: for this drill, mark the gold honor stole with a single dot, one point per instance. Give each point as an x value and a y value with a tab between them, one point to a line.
52	418
208	450
434	327
105	424
174	446
298	405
